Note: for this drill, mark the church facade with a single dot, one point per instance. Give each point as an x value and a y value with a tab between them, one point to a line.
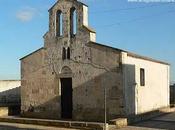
70	75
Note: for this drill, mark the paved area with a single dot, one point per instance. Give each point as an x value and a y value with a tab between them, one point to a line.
138	128
165	122
168	117
154	125
15	126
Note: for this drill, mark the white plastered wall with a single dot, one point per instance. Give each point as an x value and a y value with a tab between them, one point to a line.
9	84
155	93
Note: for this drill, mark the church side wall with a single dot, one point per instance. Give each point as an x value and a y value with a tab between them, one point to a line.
154	94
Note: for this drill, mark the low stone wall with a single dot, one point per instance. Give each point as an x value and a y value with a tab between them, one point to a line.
9	92
172	94
10	99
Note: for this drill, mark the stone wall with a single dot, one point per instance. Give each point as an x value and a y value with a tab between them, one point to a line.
9	92
10	98
172	95
92	68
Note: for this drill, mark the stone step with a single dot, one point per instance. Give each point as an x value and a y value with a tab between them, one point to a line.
119	122
112	127
57	123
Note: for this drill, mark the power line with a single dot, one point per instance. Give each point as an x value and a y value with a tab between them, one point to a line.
126	9
138	19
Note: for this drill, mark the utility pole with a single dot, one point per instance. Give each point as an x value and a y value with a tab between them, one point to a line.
105	121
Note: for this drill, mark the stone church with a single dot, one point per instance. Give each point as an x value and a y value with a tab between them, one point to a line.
67	78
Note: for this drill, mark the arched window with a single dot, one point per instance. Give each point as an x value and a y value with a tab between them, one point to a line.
64	53
59	23
68	53
73	20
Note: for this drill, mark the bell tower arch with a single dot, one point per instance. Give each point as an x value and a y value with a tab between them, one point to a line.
68	20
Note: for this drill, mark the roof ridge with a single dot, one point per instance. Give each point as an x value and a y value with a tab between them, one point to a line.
133	54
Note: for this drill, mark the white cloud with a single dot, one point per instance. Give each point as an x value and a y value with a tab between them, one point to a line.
26	14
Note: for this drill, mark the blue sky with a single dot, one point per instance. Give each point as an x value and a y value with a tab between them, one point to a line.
144	28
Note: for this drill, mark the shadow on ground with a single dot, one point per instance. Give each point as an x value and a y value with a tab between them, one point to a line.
156	124
6	127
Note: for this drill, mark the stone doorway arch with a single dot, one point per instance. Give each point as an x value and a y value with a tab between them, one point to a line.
65	72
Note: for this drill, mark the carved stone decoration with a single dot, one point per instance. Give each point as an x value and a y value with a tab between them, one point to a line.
65	72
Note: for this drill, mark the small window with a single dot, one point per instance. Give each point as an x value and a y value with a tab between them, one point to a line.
142	77
73	20
59	23
68	53
64	53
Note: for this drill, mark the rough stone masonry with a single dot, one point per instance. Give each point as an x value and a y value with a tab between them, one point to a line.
66	78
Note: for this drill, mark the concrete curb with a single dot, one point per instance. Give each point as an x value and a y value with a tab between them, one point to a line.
57	123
